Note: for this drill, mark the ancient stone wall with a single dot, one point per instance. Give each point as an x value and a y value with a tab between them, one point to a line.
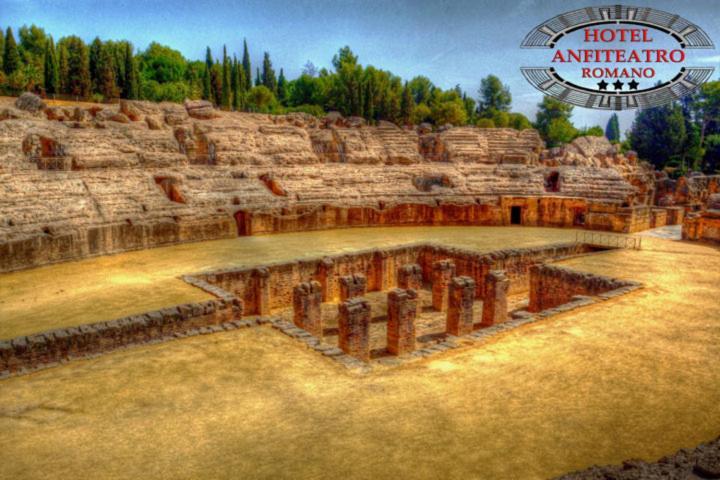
48	348
380	267
551	286
78	181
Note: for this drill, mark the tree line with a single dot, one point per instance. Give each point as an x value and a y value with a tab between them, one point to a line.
683	136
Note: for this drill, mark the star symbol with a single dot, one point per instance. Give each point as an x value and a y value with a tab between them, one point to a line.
618	85
633	84
602	85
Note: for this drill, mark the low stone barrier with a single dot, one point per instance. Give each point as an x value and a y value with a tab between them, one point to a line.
27	353
551	286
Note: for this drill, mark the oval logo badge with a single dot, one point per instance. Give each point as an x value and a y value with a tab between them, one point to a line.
617	57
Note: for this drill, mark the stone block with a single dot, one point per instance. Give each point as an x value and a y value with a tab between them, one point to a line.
494	311
410	276
352	286
402	309
460	306
307	300
443	272
354	328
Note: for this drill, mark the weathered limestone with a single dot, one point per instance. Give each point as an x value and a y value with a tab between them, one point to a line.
354	328
460	319
495	298
352	286
80	181
402	309
443	272
307	300
410	276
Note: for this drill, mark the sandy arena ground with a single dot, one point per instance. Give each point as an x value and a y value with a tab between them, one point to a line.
635	376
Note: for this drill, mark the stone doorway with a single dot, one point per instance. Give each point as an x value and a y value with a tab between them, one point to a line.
515	215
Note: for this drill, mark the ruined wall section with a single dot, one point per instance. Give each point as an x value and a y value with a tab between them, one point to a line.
95	179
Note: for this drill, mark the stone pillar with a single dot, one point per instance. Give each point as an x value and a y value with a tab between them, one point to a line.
354	328
460	308
352	286
307	298
402	307
443	272
495	299
262	291
326	277
535	303
410	276
383	267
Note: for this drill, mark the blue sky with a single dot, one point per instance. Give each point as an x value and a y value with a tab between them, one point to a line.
451	42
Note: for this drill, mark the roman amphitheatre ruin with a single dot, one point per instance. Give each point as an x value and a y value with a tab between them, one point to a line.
191	293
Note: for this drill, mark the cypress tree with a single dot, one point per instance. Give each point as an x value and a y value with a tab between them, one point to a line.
63	67
246	66
11	56
226	98
612	130
2	47
79	83
258	81
282	87
51	72
207	77
132	87
407	105
106	74
268	74
235	84
216	82
95	52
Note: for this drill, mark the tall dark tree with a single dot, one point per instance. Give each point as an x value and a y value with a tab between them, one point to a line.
226	95
246	66
2	47
131	83
268	74
235	83
94	53
51	71
216	75
612	129
658	135
407	105
63	67
282	88
78	76
106	85
258	79
11	56
207	76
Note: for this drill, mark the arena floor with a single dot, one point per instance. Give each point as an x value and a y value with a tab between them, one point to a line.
635	376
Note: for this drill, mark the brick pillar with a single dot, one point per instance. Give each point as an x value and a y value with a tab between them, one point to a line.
536	287
262	291
354	328
326	277
460	306
402	307
495	299
352	286
307	298
383	268
443	272
410	276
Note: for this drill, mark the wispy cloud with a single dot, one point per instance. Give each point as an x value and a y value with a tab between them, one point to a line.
710	59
